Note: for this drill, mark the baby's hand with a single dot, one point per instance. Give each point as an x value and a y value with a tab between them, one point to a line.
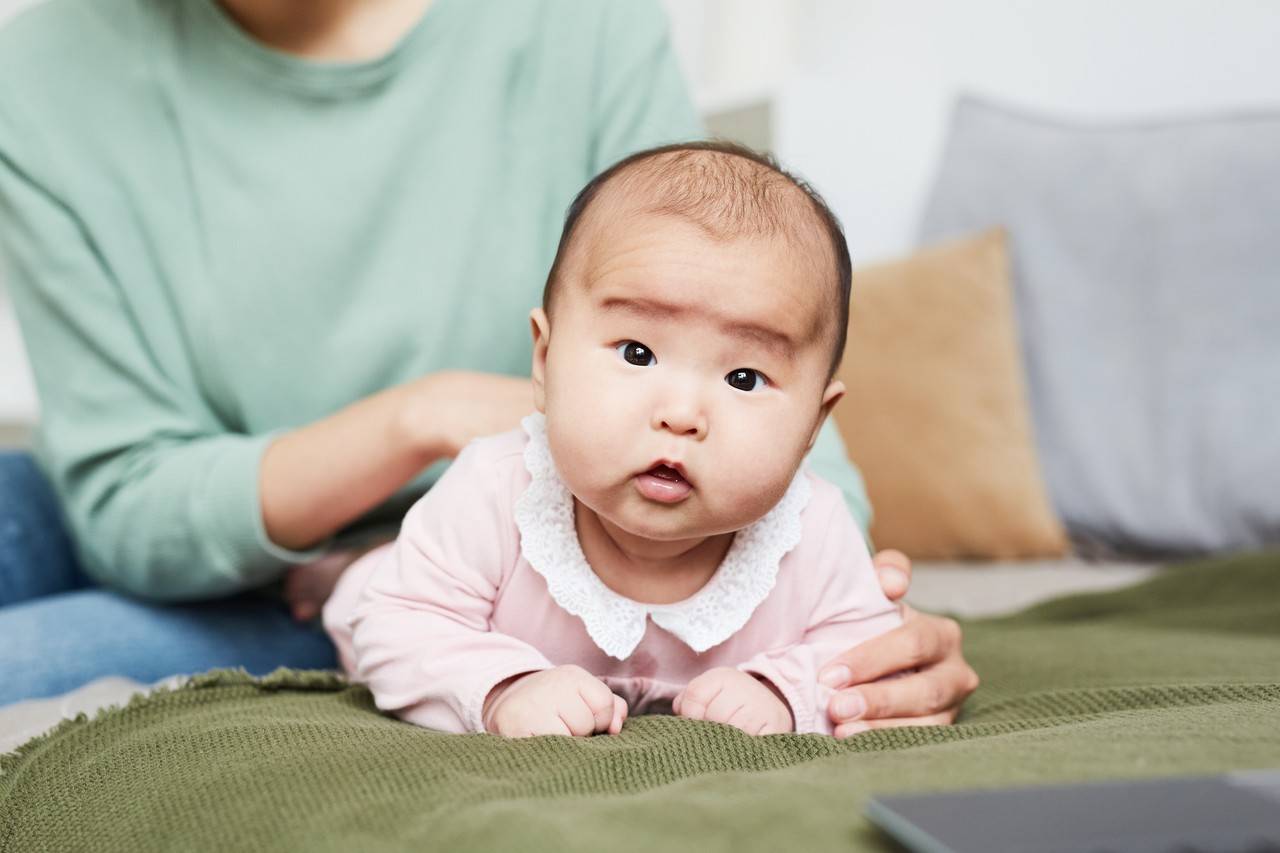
565	700
727	695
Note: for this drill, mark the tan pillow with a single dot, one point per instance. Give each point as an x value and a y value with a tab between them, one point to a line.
936	416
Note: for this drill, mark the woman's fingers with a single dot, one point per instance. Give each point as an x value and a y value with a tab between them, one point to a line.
936	691
858	726
940	682
918	642
894	569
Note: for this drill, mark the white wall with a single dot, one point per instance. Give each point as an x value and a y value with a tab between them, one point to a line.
17	394
863	110
736	52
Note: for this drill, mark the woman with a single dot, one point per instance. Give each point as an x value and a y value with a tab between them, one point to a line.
272	260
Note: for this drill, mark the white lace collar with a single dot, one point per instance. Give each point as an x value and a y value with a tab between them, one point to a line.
549	541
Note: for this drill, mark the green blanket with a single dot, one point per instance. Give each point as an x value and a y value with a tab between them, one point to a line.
1178	676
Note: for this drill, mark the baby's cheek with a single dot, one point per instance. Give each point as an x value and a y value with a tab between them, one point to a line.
750	487
596	430
582	454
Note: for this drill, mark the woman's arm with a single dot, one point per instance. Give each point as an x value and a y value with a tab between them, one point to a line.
161	497
317	479
165	499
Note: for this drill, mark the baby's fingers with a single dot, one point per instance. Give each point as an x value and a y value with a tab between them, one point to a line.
599	700
619	715
577	718
695	700
602	713
746	718
772	727
727	703
521	723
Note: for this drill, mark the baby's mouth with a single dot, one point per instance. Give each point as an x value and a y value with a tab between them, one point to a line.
664	484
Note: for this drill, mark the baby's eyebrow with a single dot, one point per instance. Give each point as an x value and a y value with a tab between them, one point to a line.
757	333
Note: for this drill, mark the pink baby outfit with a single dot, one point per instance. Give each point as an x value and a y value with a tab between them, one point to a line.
487	580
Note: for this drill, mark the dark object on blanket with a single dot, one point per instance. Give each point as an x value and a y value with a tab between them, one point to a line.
1234	811
1179	676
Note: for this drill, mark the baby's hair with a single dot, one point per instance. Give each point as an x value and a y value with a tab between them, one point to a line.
729	191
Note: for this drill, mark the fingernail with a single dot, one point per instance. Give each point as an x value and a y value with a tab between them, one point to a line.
895	577
835	676
853	729
850	706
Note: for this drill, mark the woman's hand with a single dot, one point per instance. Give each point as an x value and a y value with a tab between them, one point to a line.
933	679
450	408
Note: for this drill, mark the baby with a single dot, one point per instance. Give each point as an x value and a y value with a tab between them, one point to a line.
648	541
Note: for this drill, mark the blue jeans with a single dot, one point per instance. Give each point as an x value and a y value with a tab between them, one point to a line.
58	630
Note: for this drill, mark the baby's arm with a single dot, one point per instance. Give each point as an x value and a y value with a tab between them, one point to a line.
422	634
778	690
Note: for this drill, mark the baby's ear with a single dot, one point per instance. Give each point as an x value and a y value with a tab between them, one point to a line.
541	328
831	396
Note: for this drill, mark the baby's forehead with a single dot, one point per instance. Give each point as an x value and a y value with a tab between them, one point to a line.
729	199
634	232
660	264
724	200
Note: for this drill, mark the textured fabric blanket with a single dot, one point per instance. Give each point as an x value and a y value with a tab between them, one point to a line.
1178	676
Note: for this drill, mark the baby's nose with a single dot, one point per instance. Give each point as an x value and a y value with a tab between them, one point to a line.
693	428
682	419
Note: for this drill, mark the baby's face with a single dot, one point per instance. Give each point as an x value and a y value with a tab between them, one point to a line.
683	379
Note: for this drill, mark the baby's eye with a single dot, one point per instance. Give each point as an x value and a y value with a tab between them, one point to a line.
634	352
746	379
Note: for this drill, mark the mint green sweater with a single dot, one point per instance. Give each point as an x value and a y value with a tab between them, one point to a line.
208	241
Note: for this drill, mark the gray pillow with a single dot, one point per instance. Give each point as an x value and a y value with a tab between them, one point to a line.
1146	264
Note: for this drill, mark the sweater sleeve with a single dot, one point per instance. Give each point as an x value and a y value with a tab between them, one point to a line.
162	499
641	98
850	608
422	636
830	461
